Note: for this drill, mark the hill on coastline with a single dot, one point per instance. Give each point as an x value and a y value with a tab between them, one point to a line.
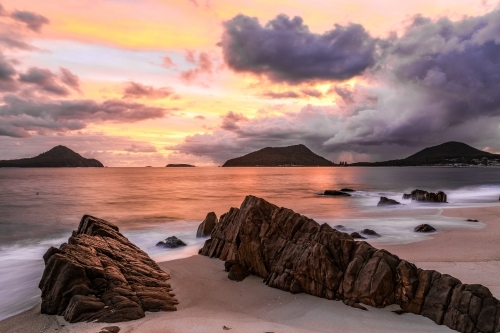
446	153
298	155
180	166
57	157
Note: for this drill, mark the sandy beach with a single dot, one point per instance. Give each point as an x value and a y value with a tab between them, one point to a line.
209	300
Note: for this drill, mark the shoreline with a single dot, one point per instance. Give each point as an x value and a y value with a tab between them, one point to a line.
209	300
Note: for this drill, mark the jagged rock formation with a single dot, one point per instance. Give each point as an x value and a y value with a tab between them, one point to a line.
294	253
100	276
57	157
335	193
387	202
205	228
424	196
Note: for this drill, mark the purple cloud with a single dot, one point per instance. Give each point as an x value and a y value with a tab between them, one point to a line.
32	20
138	90
44	80
285	50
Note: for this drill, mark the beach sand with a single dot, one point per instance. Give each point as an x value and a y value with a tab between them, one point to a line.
209	300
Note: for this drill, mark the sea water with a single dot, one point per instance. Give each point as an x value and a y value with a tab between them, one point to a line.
40	207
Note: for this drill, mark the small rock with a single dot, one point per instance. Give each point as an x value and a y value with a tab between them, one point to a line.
237	273
370	232
347	190
406	196
399	312
171	242
387	202
336	193
226	328
471	220
424	228
357	235
110	329
339	227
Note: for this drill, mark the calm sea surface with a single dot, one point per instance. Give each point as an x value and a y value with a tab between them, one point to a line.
40	207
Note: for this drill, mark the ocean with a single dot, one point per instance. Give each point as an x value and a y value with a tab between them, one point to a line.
40	207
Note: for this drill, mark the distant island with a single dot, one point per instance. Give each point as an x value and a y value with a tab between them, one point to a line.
447	154
180	166
57	157
298	155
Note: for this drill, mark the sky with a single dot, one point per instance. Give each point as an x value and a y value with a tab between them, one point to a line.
151	82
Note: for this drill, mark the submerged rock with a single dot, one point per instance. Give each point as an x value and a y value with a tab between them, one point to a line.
336	193
171	242
370	232
387	202
208	224
424	228
99	275
357	235
471	220
294	253
347	190
424	196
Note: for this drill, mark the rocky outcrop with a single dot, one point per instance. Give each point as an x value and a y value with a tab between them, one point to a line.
171	242
387	202
294	253
336	193
424	228
357	235
424	196
347	190
99	275
208	224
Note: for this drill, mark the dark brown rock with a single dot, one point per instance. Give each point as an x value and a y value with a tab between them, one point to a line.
424	196
357	235
110	329
471	220
100	276
387	202
406	196
424	228
370	232
171	242
208	224
335	193
347	190
237	272
294	253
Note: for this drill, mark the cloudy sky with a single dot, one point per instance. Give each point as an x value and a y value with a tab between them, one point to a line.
150	82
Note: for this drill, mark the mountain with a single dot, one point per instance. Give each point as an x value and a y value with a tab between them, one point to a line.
447	153
57	157
298	155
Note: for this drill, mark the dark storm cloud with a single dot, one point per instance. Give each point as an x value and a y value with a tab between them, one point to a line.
32	20
44	80
19	117
138	90
7	75
285	50
439	81
70	79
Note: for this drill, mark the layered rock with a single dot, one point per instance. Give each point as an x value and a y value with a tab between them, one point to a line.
424	228
208	224
99	275
424	196
294	253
